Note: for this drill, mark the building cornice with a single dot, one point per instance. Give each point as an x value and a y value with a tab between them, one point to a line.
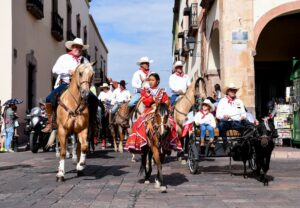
98	33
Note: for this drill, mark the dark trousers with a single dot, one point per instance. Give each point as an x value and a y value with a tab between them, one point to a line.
230	125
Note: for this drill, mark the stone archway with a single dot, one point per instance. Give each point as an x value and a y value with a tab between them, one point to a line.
276	42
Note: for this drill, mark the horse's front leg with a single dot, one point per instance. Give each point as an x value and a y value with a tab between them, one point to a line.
113	134
121	135
74	154
159	177
62	136
82	136
245	169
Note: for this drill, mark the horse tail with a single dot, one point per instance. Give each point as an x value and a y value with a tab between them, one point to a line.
51	139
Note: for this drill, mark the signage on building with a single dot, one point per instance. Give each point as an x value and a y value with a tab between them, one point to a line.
239	36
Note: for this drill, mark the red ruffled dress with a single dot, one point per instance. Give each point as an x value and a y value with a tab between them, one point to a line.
137	139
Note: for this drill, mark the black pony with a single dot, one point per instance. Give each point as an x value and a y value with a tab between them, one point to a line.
263	148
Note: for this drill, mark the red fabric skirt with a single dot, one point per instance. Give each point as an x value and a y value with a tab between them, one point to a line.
138	138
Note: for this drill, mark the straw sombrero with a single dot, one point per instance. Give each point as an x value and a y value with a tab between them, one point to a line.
76	41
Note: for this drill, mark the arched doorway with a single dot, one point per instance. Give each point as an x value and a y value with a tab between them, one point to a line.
277	43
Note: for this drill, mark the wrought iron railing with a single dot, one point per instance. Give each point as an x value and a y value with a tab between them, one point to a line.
57	26
36	8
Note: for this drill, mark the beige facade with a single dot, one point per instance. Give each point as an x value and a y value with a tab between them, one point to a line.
33	35
248	42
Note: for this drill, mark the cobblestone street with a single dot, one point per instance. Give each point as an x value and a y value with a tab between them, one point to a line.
111	180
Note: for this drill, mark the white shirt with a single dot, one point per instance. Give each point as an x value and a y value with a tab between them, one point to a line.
207	119
105	96
177	83
236	110
119	96
137	78
62	66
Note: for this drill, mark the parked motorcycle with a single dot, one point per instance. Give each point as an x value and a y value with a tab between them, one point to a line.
36	121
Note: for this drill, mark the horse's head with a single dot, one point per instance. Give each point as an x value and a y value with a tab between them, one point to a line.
161	120
83	76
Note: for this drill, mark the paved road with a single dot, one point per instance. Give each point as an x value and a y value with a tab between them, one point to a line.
111	180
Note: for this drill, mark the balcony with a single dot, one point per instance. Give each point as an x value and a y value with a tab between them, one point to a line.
207	4
70	35
36	8
57	26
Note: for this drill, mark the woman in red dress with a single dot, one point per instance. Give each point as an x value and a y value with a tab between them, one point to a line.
150	97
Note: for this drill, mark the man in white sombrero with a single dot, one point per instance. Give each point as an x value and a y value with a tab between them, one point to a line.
230	111
64	68
178	81
140	79
105	94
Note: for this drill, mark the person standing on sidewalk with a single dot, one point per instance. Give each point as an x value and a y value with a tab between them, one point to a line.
8	116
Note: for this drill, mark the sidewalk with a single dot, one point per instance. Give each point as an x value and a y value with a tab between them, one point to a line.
286	153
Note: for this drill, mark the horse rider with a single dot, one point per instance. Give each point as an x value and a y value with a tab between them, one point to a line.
119	96
64	68
106	94
230	112
178	82
150	98
140	80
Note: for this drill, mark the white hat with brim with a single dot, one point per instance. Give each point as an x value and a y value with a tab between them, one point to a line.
209	103
104	85
177	64
231	86
144	60
76	41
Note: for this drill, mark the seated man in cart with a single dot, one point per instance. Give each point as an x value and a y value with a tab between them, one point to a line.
230	112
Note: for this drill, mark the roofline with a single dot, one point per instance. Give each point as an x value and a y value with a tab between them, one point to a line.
98	33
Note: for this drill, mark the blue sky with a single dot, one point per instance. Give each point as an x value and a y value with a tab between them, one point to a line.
132	29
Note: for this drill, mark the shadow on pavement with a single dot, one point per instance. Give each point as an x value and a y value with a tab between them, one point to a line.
9	167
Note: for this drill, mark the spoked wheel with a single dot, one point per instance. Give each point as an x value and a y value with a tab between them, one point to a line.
252	161
193	156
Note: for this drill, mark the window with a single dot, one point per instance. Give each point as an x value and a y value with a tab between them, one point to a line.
78	25
70	35
85	35
54	6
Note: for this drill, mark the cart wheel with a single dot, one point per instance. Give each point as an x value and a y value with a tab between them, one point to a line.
193	157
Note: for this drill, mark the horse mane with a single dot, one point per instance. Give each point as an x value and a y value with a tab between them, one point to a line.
162	109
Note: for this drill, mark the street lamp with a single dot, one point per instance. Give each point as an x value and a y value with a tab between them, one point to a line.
191	42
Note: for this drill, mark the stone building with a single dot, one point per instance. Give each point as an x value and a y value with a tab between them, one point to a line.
33	36
248	42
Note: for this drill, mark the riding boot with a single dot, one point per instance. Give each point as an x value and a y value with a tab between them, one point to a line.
49	111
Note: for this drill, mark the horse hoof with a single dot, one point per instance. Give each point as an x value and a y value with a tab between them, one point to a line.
79	173
146	182
60	179
163	189
183	162
157	184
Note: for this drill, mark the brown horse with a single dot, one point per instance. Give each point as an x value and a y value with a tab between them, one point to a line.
158	128
73	116
119	125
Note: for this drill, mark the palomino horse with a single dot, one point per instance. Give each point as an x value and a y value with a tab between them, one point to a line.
73	117
184	104
158	128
